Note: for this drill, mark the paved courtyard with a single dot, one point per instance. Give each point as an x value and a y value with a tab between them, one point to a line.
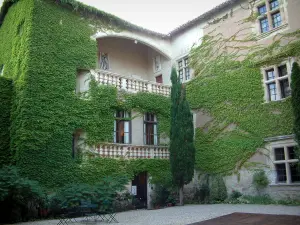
187	214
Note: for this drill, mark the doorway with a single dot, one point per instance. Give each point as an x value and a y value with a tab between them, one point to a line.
139	189
159	79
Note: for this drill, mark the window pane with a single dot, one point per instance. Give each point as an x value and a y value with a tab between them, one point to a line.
180	63
186	62
270	74
149	134
295	172
272	92
281	172
180	75
276	18
262	9
291	152
274	4
279	154
285	88
155	135
264	25
282	70
187	73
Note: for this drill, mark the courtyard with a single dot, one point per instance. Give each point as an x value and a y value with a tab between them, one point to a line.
187	214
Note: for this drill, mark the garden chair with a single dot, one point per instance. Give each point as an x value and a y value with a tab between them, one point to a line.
107	212
68	216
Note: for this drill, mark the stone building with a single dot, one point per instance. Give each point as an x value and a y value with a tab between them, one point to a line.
34	36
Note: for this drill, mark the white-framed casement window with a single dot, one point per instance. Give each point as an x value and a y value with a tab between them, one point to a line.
104	61
184	72
277	81
150	129
286	164
270	15
122	127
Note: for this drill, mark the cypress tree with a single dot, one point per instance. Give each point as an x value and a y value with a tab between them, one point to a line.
182	149
295	86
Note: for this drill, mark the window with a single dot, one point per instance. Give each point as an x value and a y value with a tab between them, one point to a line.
264	25
104	62
287	170
276	19
122	127
277	82
274	4
270	15
184	71
262	9
150	129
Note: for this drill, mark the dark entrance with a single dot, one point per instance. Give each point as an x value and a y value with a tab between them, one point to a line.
140	182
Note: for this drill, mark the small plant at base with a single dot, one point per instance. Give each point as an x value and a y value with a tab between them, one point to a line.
235	194
260	181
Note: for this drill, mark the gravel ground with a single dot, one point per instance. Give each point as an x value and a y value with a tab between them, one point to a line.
185	215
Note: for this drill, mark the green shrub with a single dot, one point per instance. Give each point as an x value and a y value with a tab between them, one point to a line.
161	195
235	194
218	191
202	194
19	197
71	195
260	180
261	199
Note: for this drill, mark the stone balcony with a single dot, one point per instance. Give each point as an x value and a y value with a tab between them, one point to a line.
127	151
130	84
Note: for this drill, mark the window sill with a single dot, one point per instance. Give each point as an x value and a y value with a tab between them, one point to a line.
266	34
280	100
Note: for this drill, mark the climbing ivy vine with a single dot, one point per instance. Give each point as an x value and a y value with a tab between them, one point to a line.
228	87
42	46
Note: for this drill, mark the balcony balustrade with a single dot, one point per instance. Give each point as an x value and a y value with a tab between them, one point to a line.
131	151
130	84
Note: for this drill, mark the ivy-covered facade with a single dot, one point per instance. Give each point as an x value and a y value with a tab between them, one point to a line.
86	95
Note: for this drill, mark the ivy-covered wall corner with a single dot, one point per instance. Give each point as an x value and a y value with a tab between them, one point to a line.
232	94
6	95
43	45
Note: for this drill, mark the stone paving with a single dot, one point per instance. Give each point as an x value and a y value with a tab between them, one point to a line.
185	215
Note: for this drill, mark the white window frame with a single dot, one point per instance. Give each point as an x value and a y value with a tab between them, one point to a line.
127	123
155	129
268	15
185	67
277	79
286	161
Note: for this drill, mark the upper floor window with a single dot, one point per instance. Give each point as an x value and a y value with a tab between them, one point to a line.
184	71
150	129
104	62
270	15
122	124
277	82
285	164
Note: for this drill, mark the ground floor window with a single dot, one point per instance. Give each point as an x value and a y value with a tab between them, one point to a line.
286	164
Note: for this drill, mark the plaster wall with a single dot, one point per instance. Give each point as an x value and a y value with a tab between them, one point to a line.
183	42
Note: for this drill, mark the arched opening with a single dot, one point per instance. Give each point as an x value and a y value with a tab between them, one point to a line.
132	58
